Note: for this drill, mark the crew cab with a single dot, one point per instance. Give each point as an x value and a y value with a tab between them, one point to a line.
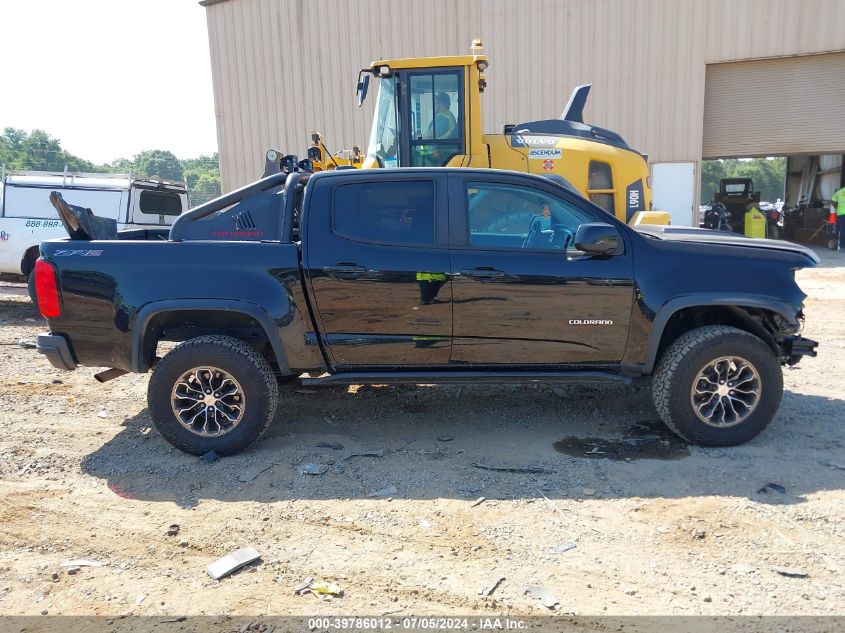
422	276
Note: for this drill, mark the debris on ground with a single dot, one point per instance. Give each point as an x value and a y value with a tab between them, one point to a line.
546	596
389	491
772	487
323	588
478	502
563	547
23	470
250	474
81	563
26	344
837	466
140	599
588	492
378	453
172	530
302	587
490	587
102	414
318	588
210	456
313	469
445	438
791	572
231	562
424	524
506	468
335	446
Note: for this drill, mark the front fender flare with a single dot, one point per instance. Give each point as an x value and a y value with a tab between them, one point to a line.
147	312
708	299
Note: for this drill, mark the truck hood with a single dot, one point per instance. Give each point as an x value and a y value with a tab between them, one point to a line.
721	238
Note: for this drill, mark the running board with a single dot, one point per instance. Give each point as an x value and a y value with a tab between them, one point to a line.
464	377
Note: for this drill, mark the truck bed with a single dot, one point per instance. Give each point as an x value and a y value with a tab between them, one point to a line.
121	282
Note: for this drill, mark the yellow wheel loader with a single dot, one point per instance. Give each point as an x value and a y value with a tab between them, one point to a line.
428	113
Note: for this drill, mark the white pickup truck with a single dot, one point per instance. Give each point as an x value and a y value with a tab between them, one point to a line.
27	217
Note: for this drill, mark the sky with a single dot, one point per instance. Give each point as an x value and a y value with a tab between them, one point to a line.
108	78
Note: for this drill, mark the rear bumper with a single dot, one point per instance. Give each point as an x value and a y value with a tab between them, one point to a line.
57	351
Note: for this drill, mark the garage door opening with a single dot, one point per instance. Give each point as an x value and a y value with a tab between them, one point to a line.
792	192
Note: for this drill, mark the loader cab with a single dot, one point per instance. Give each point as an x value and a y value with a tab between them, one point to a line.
422	112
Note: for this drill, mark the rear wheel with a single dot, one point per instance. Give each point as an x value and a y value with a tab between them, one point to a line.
717	386
212	393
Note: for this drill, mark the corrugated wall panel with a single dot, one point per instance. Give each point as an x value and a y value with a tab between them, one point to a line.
787	105
282	68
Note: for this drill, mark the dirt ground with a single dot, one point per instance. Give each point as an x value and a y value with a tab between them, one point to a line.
658	527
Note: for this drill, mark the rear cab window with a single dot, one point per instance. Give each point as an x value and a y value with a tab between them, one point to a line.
160	203
391	212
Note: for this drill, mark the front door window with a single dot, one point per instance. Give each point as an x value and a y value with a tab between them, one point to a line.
516	217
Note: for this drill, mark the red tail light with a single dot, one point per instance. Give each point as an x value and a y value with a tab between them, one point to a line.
47	290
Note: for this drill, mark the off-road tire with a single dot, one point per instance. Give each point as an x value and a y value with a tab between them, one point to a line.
232	355
679	366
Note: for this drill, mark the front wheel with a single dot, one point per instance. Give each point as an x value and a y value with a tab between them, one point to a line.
212	393
717	386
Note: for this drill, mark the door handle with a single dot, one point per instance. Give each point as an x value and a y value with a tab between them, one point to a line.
345	270
483	273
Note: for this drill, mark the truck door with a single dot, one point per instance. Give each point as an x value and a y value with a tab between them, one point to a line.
522	294
375	254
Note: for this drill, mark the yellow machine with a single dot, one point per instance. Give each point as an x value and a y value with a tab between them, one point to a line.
428	113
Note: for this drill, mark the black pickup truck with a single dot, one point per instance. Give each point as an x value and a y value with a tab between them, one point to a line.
423	276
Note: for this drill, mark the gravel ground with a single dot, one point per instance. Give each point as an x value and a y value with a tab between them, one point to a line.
657	527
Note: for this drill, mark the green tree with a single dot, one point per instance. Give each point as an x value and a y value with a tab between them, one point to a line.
202	174
39	151
158	163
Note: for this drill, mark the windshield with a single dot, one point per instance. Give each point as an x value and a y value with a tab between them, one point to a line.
383	146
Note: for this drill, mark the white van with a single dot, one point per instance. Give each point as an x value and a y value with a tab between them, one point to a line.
27	218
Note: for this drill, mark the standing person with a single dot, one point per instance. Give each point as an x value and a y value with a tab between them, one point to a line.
838	200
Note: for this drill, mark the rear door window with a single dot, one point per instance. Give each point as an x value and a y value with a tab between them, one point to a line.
392	212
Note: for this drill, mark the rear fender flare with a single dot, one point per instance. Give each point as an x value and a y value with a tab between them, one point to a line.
708	299
147	312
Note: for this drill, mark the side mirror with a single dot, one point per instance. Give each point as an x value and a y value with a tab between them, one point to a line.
363	86
599	238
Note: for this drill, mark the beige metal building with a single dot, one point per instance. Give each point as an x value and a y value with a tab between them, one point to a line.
679	79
